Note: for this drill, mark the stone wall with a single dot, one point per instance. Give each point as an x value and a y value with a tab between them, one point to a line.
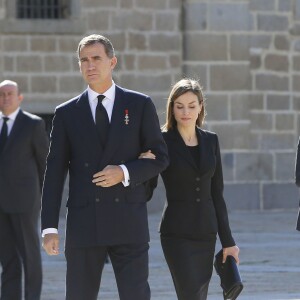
246	54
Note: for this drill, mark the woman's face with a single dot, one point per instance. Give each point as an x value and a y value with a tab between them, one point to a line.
186	110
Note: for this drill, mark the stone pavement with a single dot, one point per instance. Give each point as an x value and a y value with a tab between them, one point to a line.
270	261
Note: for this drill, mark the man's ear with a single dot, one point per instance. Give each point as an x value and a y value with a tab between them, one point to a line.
20	97
113	62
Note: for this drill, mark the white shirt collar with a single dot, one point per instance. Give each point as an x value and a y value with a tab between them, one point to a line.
109	94
11	116
108	101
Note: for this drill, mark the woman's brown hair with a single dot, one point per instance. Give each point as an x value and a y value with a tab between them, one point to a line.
181	87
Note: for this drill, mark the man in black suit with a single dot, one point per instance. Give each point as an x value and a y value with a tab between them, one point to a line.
297	179
97	137
23	151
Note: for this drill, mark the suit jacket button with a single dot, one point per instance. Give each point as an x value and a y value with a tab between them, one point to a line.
197	189
97	200
198	200
117	200
86	164
197	178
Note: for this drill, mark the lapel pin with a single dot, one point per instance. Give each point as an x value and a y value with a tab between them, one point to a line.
126	117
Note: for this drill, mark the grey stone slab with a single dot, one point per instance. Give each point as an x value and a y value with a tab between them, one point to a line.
196	71
44	84
242	196
260	40
28	63
272	82
239	106
42	43
296	45
98	19
204	47
58	63
255	60
149	82
126	4
277	141
296	63
297	9
239	47
285	166
262	5
278	102
152	62
285	121
71	84
217	107
280	196
277	62
267	22
296	82
230	16
285	5
256	101
165	42
261	120
232	135
295	30
230	77
154	4
133	19
167	21
228	166
282	42
195	16
296	103
254	166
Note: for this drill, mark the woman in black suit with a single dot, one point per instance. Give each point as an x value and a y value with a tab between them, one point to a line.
195	210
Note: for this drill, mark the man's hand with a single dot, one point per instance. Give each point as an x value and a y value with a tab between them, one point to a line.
147	154
51	243
109	176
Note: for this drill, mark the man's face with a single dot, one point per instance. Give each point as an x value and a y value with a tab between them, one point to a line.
96	67
10	99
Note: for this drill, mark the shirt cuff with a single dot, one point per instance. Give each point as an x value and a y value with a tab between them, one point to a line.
49	230
126	176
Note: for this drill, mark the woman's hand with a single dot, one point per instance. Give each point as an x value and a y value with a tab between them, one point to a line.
233	251
147	154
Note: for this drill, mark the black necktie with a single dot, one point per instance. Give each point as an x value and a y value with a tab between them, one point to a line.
102	121
3	134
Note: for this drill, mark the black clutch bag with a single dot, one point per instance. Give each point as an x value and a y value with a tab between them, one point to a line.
231	281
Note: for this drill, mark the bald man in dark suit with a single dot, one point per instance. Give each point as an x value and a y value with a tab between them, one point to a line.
23	150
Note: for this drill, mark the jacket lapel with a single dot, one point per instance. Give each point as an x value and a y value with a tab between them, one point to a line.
16	129
84	119
205	151
117	125
182	149
207	156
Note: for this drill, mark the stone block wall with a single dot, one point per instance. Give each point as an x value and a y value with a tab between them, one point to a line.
248	55
245	53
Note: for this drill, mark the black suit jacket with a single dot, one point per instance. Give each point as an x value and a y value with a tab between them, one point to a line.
96	215
195	204
22	164
297	179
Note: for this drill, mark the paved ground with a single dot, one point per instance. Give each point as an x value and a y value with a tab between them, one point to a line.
270	261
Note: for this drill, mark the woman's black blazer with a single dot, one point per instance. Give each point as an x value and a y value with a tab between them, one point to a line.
195	205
